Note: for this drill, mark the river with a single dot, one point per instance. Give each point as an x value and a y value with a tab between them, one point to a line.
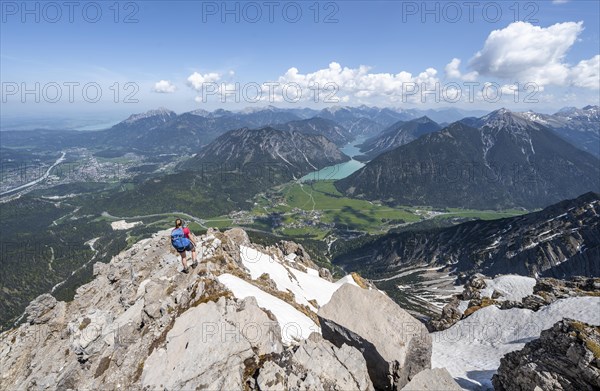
43	177
341	170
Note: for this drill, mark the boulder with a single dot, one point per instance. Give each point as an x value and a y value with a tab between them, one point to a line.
263	333
208	341
225	245
547	290
565	357
395	345
434	379
325	273
300	255
473	287
40	310
86	331
533	302
317	364
154	295
272	377
450	315
238	236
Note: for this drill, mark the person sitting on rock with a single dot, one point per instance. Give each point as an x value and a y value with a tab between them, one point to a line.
183	240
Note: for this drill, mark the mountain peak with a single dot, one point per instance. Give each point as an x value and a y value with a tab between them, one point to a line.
200	112
144	332
251	110
160	112
334	109
296	153
501	111
220	113
506	119
422	120
568	109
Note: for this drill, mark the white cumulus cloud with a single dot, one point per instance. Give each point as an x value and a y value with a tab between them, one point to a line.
164	86
453	71
527	53
197	80
587	73
358	82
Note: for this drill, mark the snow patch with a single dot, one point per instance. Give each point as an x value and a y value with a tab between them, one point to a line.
122	224
305	286
512	287
471	349
294	324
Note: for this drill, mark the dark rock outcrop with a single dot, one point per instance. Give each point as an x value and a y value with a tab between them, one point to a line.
565	357
449	316
548	290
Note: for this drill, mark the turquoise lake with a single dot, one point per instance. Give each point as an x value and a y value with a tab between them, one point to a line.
341	170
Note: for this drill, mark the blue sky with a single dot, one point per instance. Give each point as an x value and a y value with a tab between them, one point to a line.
187	46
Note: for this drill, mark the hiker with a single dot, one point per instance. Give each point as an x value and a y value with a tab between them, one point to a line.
183	240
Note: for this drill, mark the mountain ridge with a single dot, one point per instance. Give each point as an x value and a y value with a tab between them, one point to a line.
137	325
561	240
293	154
398	134
507	162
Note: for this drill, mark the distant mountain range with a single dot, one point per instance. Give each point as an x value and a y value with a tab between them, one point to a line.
290	154
163	130
562	240
319	126
580	127
187	131
507	162
396	135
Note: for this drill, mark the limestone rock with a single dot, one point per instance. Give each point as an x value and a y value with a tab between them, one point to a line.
325	273
208	341
395	345
297	252
565	357
142	323
547	290
40	310
317	364
473	287
272	377
238	236
450	315
86	332
434	379
263	333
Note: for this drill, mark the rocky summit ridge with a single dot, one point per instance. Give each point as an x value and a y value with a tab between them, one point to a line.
248	317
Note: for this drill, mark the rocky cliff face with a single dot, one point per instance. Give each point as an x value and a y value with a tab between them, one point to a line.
565	357
244	319
560	241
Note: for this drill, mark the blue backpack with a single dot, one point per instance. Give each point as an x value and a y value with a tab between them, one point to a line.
178	240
